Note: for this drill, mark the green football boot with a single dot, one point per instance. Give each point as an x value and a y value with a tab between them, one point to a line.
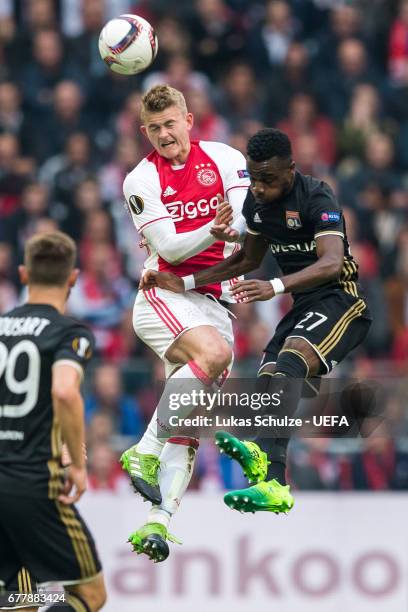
143	471
252	459
268	496
151	541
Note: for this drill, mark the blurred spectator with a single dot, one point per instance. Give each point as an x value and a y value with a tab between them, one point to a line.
208	125
381	223
345	22
100	296
97	228
104	471
108	398
174	39
21	225
12	118
84	47
100	429
8	292
36	15
352	68
381	466
240	98
86	198
303	119
308	157
268	43
128	119
293	77
127	155
7	32
398	46
216	38
46	69
77	165
178	73
363	119
378	168
371	262
311	466
15	172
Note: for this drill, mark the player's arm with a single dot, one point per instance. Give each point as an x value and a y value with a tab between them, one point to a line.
330	253
142	191
247	259
69	412
235	232
69	409
176	248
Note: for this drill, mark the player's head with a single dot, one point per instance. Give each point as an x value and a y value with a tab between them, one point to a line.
167	122
49	260
270	165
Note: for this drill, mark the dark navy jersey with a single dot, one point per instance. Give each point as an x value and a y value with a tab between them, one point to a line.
33	338
291	225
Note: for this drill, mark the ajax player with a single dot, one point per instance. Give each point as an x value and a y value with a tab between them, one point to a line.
175	196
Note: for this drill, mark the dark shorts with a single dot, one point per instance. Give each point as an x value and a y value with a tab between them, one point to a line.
333	323
47	538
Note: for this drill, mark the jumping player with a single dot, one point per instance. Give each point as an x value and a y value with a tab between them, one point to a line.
175	199
299	219
43	354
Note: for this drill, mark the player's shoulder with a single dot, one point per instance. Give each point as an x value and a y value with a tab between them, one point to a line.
69	323
219	148
43	323
144	175
313	192
312	186
230	162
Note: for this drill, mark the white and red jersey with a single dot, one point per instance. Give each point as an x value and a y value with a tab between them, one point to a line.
187	195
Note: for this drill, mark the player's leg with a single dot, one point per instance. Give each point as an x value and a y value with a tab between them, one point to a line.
58	546
294	362
14	578
333	329
178	330
202	354
178	455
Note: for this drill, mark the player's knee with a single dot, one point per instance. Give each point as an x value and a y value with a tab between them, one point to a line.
292	363
213	354
217	358
304	352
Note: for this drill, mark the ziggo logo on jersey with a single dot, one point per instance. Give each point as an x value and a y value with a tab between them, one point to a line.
192	210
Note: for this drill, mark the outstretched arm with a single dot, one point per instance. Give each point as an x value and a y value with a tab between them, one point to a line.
176	248
330	251
247	259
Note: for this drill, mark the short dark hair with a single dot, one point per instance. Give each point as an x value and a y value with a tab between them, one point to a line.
268	143
49	258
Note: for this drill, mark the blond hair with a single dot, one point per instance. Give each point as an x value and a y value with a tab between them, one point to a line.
160	97
49	258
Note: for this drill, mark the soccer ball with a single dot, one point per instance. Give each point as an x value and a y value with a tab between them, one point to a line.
128	44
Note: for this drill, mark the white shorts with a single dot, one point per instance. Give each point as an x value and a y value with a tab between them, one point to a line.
161	316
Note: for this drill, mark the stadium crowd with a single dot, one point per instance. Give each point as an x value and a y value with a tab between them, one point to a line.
332	74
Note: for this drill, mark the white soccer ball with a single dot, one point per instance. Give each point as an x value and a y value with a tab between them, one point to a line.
128	44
